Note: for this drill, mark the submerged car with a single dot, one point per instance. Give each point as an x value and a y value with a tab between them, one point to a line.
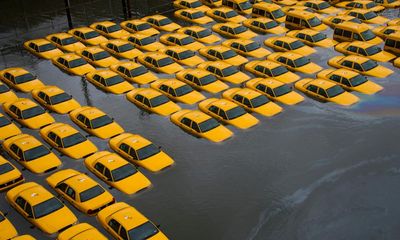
134	72
42	48
247	47
7	128
268	69
10	177
193	16
97	57
183	55
159	62
80	231
20	79
224	71
223	53
225	14
295	62
109	29
65	42
365	49
285	44
177	91
88	36
233	30
121	48
180	39
139	26
72	64
312	38
109	81
264	25
202	80
161	23
201	34
55	99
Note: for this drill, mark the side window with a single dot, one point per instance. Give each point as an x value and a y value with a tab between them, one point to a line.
164	88
195	127
282	60
62	186
213	109
71	193
242	48
308	38
338	32
123	234
358	67
212	52
222	114
312	88
99	167
114	225
52	136
186	121
322	92
346	82
41	95
81	118
107	174
238	98
357	36
58	141
87	123
14	148
189	77
124	147
362	52
20	202
211	69
352	49
270	92
335	78
261	87
139	98
171	91
301	35
246	102
259	68
147	102
347	64
286	46
132	152
28	209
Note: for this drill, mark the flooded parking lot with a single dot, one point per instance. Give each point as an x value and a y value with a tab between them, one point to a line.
315	171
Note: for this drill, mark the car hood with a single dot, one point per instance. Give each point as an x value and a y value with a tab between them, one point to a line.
290	98
379	71
245	121
157	162
368	87
57	220
44	163
345	99
268	110
167	108
133	183
80	150
218	134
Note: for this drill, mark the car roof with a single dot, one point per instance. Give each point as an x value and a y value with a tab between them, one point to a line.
148	92
17	71
194	28
222	9
361	44
111	161
343	17
196	116
83	29
93	49
129	217
266	6
290	55
70	56
177	49
105	73
105	23
240	41
173	83
80	182
224	104
197	72
25	142
345	73
157	16
138	35
308	31
24	103
35	194
218	48
267	63
218	64
247	92
135	141
229	24
92	112
270	82
355	58
285	39
135	21
51	90
63	130
315	1
156	55
129	65
189	10
118	42
40	41
260	19
322	83
358	10
353	25
61	35
301	14
176	35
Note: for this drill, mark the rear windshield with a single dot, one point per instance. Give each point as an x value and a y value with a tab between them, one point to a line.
231	14
91	193
138	71
147	151
126	47
92	34
76	63
114	80
32	112
368	65
282	90
35	153
373	50
240	29
355	20
259	101
147	41
370	5
368	35
245	5
113	28
358	80
323	5
278	13
183	90
24	78
165	61
47	207
229	71
165	21
334	91
204	33
301	61
229	54
296	44
159	100
186	54
143	26
101	121
235	112
370	15
46	47
4	121
5	168
73	140
197	15
314	22
101	55
207	80
59	98
208	125
68	41
252	46
4	88
123	172
195	4
143	232
318	37
187	40
278	71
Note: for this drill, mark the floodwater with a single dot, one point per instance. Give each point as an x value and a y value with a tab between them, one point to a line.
316	171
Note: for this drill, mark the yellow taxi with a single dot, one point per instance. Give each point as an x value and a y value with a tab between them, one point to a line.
67	140
225	14
326	91
65	42
28	113
243	7
312	38
87	36
72	64
268	10
388	3
180	39
361	4
319	6
97	56
23	237
139	26
287	9
392	43
366	16
384	31
394	22
20	79
224	71
202	80
298	19
350	80
95	122
159	62
285	2
212	3
190	4
109	29
275	90
41	208
252	101
55	99
6	94
152	101
233	30
200	125
177	91
201	34
365	49
182	55
223	53
141	152
246	47
7	128
144	42
361	65
134	72
80	190
350	31
81	231
295	62
121	48
161	23
332	21
193	16
284	44
7	230
228	112
264	25
42	48
31	153
268	69
125	222
10	177
117	172
109	81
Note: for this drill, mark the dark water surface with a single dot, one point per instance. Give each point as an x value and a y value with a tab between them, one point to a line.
316	171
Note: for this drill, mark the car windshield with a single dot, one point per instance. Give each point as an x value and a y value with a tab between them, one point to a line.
370	15
4	122
278	13
229	54
229	71
355	20
183	90
59	98
373	50
204	33
195	4
231	14
24	78
76	63
165	61
138	71
296	44
101	55
73	139
314	22
301	61
123	172
259	101
358	80
4	88
370	5
208	125
368	65
46	47
318	37
143	232
252	46
207	79
239	29
126	47
186	54
334	91
5	168
147	151
245	5
197	15
235	112
323	5
114	80
113	28
47	207
101	121
391	1
143	26
271	24
147	41
68	41
159	100
165	21
32	112
91	193
187	40
368	35
278	71
282	90
36	152
92	34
